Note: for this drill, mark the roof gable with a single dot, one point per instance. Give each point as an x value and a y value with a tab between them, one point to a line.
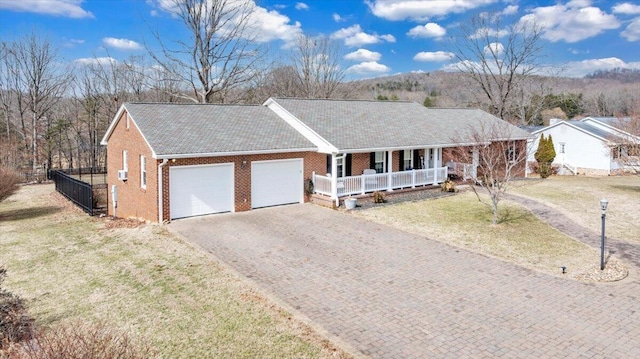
193	130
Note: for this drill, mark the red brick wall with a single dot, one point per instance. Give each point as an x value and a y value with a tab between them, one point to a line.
133	200
312	162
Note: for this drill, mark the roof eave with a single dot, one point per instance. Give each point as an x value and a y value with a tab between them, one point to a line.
235	153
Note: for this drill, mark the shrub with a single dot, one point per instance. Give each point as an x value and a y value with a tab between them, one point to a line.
9	181
448	186
81	340
15	323
545	154
378	197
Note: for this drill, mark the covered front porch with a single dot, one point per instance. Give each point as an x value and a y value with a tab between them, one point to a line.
379	171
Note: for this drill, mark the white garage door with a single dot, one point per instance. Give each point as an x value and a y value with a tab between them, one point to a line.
276	182
198	190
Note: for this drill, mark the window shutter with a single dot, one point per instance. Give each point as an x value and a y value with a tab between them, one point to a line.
347	165
329	164
416	160
401	160
372	160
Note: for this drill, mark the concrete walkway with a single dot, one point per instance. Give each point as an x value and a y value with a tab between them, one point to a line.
390	294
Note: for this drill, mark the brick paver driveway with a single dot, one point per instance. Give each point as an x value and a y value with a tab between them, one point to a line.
390	294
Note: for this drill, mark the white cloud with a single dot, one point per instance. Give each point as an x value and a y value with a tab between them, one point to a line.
585	67
363	55
486	32
121	44
431	29
96	61
437	56
510	10
388	38
368	67
354	36
272	25
632	32
396	10
626	8
268	25
65	8
494	48
571	22
338	18
302	6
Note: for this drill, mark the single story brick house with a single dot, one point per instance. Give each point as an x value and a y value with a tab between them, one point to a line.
169	161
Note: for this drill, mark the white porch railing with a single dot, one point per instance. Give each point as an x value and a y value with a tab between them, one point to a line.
362	184
464	170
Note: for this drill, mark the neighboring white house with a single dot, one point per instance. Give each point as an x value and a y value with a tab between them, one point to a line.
588	146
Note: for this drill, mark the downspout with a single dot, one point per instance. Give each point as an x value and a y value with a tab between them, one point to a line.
160	209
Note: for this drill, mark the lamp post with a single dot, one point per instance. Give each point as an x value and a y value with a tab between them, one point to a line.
603	207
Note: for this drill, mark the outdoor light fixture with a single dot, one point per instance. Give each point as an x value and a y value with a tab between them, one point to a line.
244	163
603	207
564	269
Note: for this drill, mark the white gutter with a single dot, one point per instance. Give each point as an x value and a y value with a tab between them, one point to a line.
160	209
235	153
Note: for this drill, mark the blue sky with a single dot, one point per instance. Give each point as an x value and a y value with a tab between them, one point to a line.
380	37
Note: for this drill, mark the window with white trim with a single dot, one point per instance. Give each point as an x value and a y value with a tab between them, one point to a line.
143	172
380	165
511	152
340	166
125	160
407	160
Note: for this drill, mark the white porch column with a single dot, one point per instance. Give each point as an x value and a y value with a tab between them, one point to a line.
389	172
334	178
437	163
475	161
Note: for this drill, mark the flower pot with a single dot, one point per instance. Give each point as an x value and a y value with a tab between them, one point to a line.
350	203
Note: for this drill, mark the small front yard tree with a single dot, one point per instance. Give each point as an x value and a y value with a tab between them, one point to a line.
545	155
498	155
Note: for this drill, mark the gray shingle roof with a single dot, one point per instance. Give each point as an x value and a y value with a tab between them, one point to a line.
186	129
597	131
360	125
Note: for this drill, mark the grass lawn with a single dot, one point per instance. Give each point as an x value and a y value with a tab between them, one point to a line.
462	221
579	197
69	266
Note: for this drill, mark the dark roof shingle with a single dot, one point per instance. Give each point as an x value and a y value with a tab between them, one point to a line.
189	129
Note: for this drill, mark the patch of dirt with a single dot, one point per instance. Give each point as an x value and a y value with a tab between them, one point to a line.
113	222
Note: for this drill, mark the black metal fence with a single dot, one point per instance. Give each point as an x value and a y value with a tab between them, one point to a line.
78	192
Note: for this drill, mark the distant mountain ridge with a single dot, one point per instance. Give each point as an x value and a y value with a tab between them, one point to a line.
620	74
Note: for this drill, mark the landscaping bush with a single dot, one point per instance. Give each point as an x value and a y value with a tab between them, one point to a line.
545	154
448	186
378	197
81	340
9	181
15	323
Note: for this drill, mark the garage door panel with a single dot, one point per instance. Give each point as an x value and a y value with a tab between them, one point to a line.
200	190
276	182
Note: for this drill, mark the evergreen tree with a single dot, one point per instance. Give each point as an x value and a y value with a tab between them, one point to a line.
545	155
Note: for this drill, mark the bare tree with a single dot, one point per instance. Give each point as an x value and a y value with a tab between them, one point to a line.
221	53
498	59
497	156
42	79
316	61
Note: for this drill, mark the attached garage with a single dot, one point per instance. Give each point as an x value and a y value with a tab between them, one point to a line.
276	182
199	190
